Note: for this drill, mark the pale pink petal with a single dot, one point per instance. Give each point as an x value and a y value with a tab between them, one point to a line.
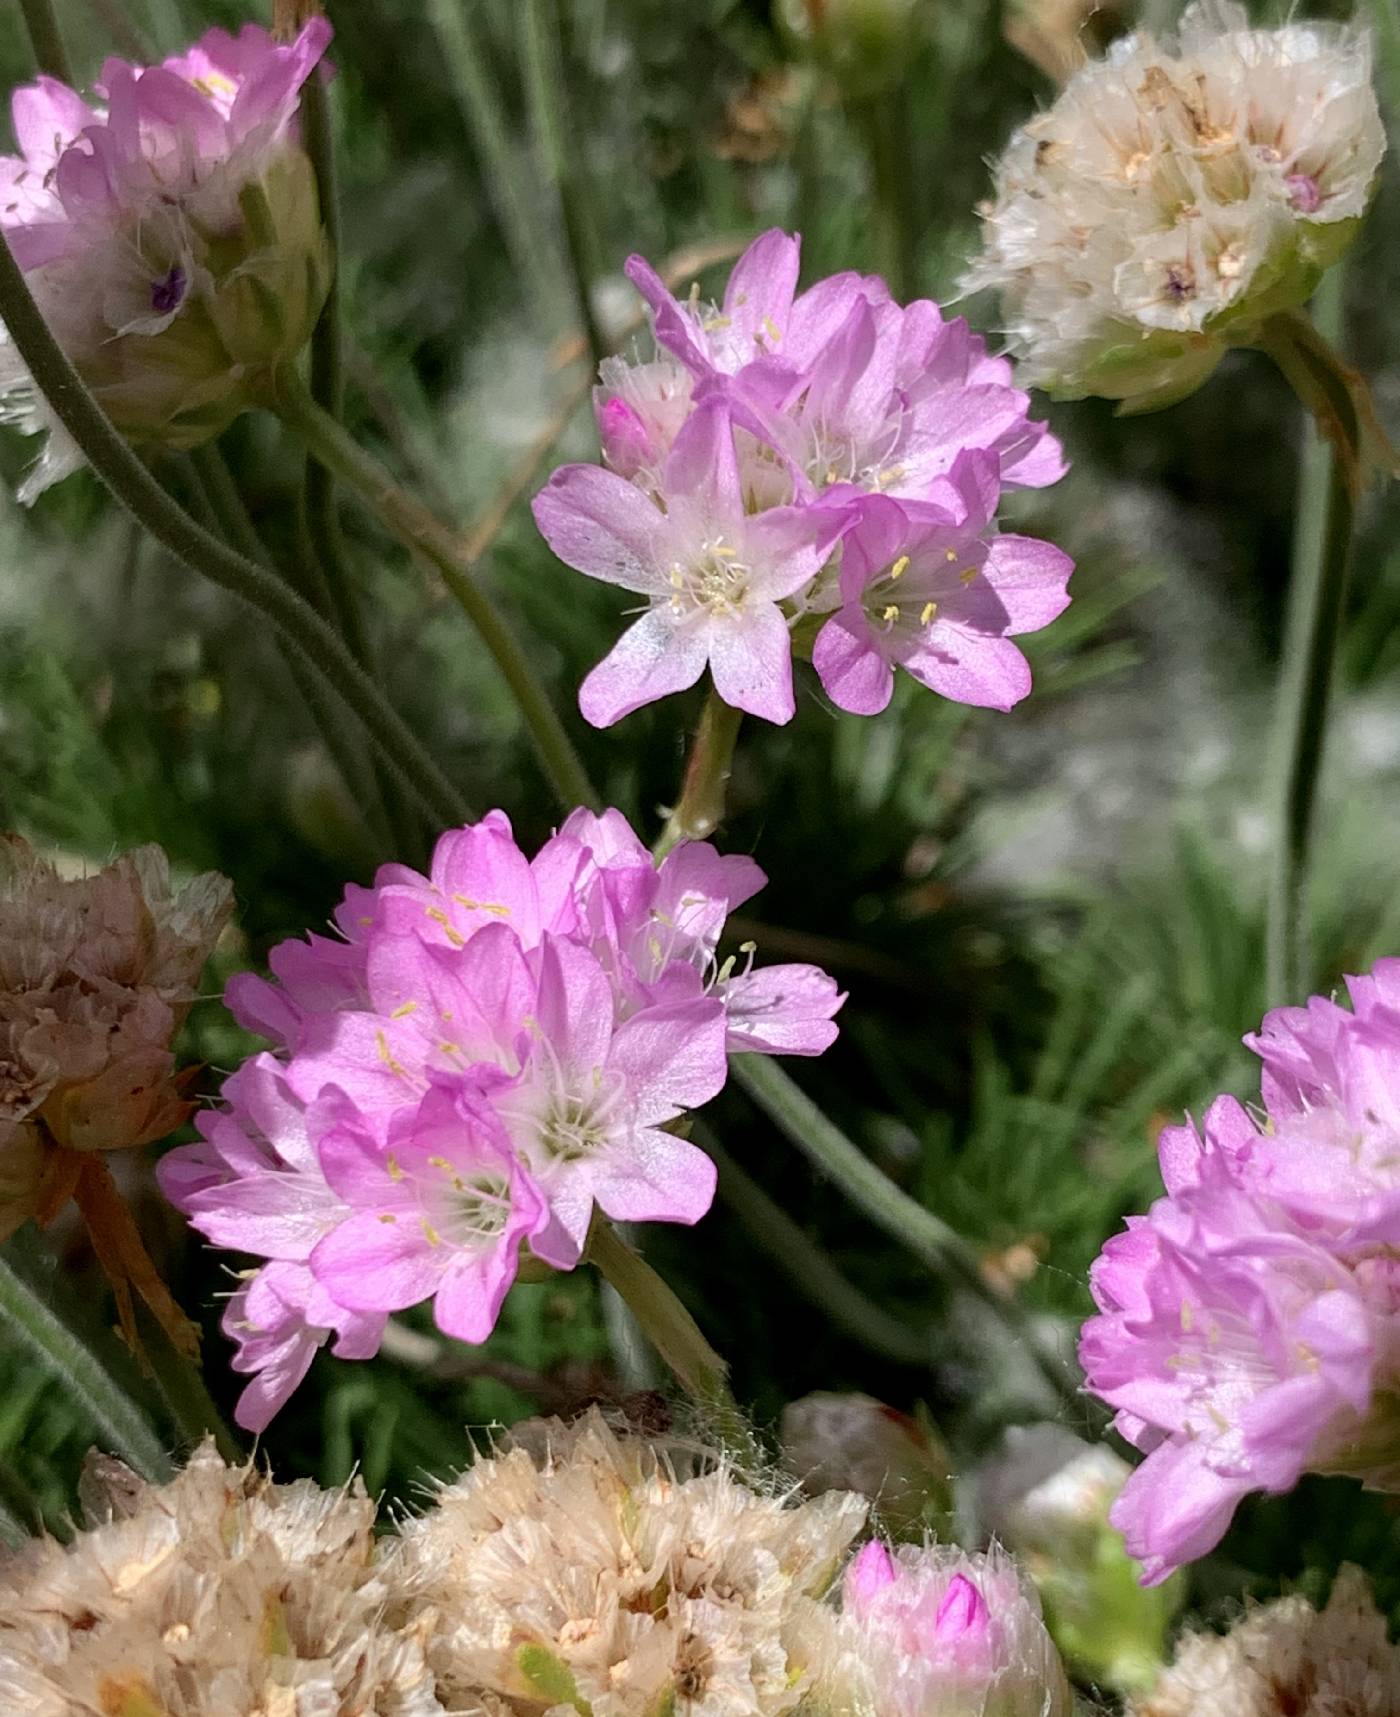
650	660
599	524
373	1266
1030	579
751	661
970	667
853	672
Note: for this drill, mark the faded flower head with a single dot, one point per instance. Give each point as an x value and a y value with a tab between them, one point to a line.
1175	195
1287	1659
936	1632
598	1576
219	1592
486	1056
751	459
96	975
1247	1323
170	233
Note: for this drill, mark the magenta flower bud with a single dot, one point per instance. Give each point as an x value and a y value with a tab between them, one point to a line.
934	1632
627	447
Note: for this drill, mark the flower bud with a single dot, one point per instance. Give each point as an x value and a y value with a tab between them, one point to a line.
863	44
934	1632
1176	196
171	235
1046	1496
854	1442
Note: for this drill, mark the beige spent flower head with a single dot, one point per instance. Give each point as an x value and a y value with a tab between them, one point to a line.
1175	195
599	1575
216	1594
1287	1659
96	975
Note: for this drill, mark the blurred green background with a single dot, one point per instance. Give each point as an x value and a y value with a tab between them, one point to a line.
1050	922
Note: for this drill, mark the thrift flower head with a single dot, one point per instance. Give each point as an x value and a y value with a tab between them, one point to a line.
486	1055
1174	196
219	1592
597	1576
764	437
1247	1322
1287	1660
170	233
929	1631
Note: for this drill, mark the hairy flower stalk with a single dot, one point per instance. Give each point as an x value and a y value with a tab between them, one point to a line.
484	1063
219	1592
170	234
1175	197
1247	1323
96	975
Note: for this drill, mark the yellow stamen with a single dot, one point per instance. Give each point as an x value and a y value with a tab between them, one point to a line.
927	612
900	567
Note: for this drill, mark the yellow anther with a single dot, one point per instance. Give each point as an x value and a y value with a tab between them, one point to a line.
891	612
387	1216
403	1010
722	551
386	1055
900	567
392	1164
967	574
950	555
441	1164
430	1234
927	612
482	906
770	328
748	947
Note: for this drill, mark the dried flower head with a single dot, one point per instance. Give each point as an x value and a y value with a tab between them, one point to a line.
219	1592
96	976
1287	1660
600	1577
170	233
1174	196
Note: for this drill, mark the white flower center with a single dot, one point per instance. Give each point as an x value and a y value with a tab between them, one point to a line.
715	583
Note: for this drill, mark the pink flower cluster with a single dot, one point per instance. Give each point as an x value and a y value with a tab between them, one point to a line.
1248	1327
482	1056
818	470
130	218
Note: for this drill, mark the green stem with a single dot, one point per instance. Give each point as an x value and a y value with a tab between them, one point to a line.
47	40
28	1321
929	1238
808	1266
700	809
406	518
883	124
231	517
189	1403
142	496
667	1325
1316	610
541	58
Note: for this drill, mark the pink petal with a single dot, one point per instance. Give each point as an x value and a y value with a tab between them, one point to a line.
373	1266
471	1294
751	661
761	286
1029	577
673	1057
854	673
658	1179
782	1010
971	668
650	660
701	481
599	524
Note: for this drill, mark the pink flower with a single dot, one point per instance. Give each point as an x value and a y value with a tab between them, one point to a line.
848	385
1238	1354
928	588
711	572
130	219
487	1054
280	1319
1247	1323
440	1215
254	1184
933	1630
